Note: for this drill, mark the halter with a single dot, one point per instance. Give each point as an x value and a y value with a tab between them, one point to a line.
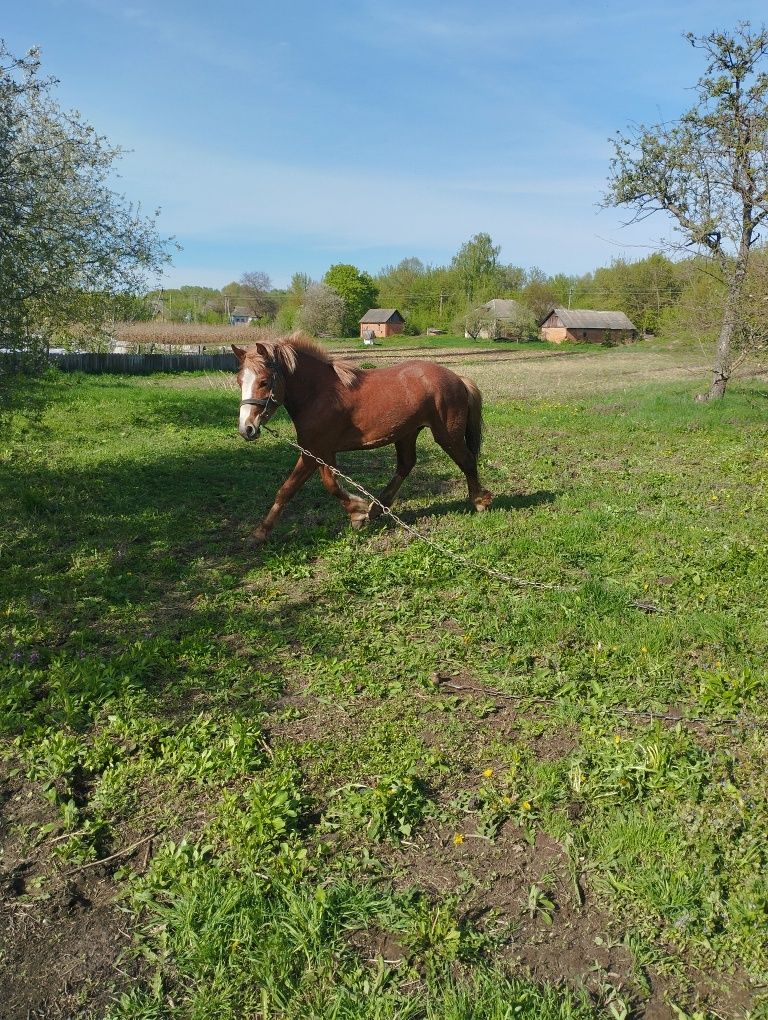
264	402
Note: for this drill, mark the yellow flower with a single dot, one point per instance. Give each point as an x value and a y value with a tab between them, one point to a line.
458	839
643	649
718	664
489	772
526	805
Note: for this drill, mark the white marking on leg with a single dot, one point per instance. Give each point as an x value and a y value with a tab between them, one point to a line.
246	393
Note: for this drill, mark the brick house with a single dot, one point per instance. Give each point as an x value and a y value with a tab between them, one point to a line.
582	325
382	322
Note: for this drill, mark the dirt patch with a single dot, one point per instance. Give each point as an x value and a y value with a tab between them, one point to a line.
300	715
61	935
526	893
61	950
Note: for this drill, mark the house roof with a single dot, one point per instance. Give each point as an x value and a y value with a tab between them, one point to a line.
501	308
585	318
379	315
242	310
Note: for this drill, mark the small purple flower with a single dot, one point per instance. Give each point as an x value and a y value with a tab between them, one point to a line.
17	657
34	658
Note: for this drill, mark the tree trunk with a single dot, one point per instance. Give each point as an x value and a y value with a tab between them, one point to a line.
721	370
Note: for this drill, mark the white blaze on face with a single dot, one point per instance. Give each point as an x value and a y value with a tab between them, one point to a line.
246	393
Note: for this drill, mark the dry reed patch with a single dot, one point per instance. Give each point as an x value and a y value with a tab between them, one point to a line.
177	334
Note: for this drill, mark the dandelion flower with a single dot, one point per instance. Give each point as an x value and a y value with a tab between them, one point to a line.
487	773
643	649
458	839
617	738
526	805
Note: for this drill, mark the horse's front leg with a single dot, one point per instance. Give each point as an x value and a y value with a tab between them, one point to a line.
301	472
355	507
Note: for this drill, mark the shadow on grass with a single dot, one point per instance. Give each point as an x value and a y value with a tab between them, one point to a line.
21	393
134	572
443	508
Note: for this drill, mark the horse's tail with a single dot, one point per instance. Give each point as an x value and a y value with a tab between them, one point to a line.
474	432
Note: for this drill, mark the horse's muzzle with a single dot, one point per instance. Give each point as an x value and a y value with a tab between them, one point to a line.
250	432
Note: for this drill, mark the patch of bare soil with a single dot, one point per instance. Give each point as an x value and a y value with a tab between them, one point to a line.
572	943
61	935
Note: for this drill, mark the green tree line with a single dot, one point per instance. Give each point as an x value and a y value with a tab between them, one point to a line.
682	298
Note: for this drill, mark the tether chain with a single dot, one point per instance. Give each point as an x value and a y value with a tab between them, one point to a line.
518	582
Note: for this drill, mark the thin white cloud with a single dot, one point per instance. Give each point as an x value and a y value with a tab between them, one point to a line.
216	200
225	195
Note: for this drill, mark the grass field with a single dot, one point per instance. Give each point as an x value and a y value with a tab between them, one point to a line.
343	777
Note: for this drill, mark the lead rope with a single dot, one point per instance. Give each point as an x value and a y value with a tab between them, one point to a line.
499	575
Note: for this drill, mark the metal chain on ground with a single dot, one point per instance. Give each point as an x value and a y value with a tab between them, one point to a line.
499	575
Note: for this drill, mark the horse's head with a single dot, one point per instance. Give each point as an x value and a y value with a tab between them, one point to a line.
262	388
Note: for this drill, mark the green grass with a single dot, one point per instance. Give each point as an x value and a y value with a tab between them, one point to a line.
280	720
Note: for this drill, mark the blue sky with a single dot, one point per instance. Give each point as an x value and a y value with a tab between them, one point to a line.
288	136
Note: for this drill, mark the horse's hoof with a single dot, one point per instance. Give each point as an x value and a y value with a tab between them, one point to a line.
483	502
358	520
259	537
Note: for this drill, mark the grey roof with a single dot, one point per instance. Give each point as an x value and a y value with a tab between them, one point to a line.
379	315
242	310
501	308
585	318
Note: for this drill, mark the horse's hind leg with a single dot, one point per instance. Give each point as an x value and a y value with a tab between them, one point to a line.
356	508
406	458
454	444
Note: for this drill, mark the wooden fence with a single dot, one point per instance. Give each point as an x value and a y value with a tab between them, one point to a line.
144	364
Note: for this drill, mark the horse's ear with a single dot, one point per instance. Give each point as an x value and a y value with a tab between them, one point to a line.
239	353
262	352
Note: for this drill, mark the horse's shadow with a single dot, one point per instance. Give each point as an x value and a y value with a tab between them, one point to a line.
504	501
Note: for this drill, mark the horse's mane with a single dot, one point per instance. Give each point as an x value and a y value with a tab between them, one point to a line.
287	349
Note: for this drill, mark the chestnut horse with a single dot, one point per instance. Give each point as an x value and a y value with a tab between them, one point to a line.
335	406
